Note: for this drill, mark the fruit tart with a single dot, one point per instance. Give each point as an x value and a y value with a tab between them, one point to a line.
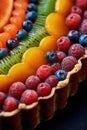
43	58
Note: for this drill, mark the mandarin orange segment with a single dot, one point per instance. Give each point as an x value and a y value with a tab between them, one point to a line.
17	21
22	4
63	6
34	57
19	12
6	7
55	25
48	43
11	29
20	72
4	36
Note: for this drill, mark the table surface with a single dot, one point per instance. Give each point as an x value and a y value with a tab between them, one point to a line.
73	117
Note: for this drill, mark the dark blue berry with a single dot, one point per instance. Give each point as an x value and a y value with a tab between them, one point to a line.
51	56
27	25
31	15
3	52
11	43
83	40
61	74
32	7
21	34
33	1
73	36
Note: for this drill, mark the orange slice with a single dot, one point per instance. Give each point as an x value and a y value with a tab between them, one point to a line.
6	7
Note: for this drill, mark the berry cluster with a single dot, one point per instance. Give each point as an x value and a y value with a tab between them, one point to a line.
27	24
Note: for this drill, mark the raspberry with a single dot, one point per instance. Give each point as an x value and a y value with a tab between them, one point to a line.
68	63
52	80
2	98
81	3
16	89
60	55
76	50
63	43
76	9
32	82
43	89
10	104
85	14
29	96
55	67
73	21
83	27
44	71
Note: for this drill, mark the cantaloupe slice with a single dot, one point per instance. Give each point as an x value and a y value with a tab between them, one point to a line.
6	7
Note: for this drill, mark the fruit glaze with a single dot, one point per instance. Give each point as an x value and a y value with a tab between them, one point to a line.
48	74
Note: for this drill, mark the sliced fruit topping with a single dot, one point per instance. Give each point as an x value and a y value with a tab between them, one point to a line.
6	7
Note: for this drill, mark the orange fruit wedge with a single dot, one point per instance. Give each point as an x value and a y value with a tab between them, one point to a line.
6	7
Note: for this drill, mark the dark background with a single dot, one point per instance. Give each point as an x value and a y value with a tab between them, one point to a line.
73	117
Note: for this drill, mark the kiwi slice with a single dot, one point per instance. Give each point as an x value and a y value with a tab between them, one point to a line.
33	39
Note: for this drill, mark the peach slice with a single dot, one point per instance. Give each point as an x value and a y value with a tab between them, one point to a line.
6	7
55	25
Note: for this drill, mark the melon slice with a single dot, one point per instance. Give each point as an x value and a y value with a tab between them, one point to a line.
6	7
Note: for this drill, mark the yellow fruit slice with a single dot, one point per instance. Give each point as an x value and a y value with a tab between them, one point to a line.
6	7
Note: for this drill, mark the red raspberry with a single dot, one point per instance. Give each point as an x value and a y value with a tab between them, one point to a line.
85	14
60	55
44	71
29	96
76	9
68	63
2	98
16	89
32	82
43	89
83	27
55	67
76	50
63	43
81	3
73	21
10	104
52	80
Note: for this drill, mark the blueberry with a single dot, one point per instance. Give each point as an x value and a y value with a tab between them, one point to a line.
11	43
83	40
3	52
31	15
34	1
61	75
51	56
21	34
32	7
73	35
27	25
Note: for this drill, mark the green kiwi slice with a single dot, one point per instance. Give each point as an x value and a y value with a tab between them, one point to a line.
33	39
